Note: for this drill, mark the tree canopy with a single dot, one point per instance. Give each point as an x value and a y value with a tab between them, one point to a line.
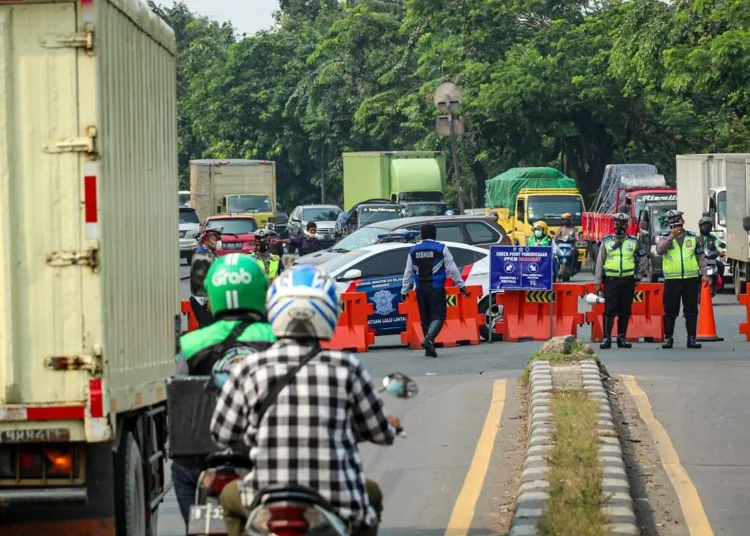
571	84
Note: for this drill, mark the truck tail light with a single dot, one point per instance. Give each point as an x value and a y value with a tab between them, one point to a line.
40	462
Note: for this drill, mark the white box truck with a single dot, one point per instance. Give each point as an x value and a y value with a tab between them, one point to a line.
89	294
738	220
234	186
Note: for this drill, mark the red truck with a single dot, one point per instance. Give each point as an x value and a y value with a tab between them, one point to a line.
625	188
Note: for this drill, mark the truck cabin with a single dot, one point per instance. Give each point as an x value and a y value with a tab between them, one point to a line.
652	219
642	197
549	207
432	196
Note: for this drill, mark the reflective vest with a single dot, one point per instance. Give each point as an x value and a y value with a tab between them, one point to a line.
680	261
272	269
621	256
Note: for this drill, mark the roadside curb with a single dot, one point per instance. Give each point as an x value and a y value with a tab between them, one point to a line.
617	503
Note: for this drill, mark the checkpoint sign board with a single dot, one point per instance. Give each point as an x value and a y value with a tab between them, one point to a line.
520	268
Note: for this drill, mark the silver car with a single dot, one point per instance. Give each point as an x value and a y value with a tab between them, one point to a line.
189	224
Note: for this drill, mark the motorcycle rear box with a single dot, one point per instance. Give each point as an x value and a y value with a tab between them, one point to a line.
190	406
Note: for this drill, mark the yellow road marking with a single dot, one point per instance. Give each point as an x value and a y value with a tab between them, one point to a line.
463	511
690	501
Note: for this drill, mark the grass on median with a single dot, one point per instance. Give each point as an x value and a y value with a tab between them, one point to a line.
578	352
575	476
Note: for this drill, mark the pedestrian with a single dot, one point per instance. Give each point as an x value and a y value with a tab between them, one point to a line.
427	267
309	243
271	264
622	262
684	264
203	257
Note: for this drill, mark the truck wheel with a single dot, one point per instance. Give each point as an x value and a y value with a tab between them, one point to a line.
484	330
130	498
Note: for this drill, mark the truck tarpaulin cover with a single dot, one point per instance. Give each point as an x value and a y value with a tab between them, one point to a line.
618	176
502	190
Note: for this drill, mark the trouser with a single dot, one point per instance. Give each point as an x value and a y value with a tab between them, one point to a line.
685	290
235	513
618	302
202	316
432	311
185	482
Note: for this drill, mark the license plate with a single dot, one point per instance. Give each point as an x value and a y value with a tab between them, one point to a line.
43	435
233	246
206	519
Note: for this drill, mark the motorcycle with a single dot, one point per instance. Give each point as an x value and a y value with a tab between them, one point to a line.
712	264
281	509
567	257
292	510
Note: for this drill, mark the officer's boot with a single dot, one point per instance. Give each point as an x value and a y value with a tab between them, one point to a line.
429	341
608	325
691	325
622	330
668	332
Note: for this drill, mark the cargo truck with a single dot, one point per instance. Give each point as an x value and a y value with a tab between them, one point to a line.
626	188
720	184
89	296
234	186
522	196
401	176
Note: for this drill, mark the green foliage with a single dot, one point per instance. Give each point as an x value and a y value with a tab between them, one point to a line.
576	85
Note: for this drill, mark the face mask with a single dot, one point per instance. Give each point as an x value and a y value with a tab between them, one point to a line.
218	244
262	246
705	229
619	231
538	234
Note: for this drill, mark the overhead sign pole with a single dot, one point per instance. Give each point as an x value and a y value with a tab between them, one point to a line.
447	99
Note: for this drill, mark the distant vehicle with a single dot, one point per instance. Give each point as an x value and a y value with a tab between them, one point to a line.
236	233
282	221
324	217
184	196
378	271
367	212
189	225
482	231
426	208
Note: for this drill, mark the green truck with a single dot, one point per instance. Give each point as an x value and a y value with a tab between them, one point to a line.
401	176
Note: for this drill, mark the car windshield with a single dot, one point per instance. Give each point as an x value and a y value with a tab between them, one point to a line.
233	225
188	216
321	214
722	208
369	215
427	209
335	263
550	207
420	196
659	218
249	203
366	236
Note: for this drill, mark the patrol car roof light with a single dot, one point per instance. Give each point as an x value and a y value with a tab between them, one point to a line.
399	236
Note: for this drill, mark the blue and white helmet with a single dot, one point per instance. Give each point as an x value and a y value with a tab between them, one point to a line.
303	303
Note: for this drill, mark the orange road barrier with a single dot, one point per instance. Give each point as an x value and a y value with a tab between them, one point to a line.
646	316
352	332
462	319
187	310
744	327
706	320
541	314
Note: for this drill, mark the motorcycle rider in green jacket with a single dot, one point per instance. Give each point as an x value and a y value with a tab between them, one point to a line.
236	288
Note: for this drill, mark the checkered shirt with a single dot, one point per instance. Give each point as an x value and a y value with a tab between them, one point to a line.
309	436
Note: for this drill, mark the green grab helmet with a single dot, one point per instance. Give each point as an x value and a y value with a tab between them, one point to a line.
236	282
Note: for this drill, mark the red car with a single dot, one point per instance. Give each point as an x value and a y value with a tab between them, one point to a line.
237	233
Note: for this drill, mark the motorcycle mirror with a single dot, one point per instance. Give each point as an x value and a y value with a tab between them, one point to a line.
592	298
400	385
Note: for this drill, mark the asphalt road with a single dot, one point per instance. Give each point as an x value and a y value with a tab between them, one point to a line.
447	468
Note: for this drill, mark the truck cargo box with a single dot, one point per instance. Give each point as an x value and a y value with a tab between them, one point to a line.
89	263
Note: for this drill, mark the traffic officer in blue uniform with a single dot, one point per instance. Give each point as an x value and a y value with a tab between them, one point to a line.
427	267
683	265
622	261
